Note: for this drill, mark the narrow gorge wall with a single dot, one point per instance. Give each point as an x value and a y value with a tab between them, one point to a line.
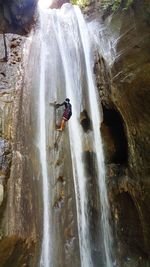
19	205
124	91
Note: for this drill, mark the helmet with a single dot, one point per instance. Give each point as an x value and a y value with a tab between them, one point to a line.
67	100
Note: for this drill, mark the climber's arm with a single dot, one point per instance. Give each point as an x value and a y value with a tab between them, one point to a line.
59	105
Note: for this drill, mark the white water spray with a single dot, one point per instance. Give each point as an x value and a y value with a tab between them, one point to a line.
69	52
96	119
66	31
45	255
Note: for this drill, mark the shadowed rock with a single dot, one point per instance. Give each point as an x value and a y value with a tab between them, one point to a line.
17	16
85	121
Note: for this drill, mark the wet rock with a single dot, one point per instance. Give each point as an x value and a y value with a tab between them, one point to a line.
129	213
130	82
85	121
64	220
58	3
5	157
103	80
2	179
60	200
61	180
19	199
127	92
16	251
1	194
109	146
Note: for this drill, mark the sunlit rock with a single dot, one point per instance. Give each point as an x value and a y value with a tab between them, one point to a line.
58	3
1	194
17	222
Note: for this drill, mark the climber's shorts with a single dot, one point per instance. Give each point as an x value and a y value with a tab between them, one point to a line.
67	114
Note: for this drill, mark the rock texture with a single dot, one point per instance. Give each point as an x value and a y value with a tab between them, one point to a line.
64	218
124	91
58	3
19	216
17	16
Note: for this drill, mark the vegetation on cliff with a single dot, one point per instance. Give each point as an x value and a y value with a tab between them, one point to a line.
113	5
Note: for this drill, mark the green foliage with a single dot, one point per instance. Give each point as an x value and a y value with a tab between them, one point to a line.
116	5
113	4
128	4
74	2
81	3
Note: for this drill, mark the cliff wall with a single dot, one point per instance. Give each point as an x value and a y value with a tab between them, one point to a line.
125	98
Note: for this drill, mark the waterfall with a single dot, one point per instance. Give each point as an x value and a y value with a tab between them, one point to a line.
96	119
45	256
63	58
69	51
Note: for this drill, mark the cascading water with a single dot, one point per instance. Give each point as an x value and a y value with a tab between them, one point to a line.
96	119
45	256
69	52
64	50
46	239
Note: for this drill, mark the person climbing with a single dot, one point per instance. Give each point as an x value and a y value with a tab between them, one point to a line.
67	113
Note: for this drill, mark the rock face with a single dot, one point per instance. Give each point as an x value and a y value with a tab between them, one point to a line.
124	91
64	220
19	216
16	16
58	3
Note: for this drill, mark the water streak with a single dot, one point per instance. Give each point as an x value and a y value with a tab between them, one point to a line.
66	70
96	119
45	256
69	51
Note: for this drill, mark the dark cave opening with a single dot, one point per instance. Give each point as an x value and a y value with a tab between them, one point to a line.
114	122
